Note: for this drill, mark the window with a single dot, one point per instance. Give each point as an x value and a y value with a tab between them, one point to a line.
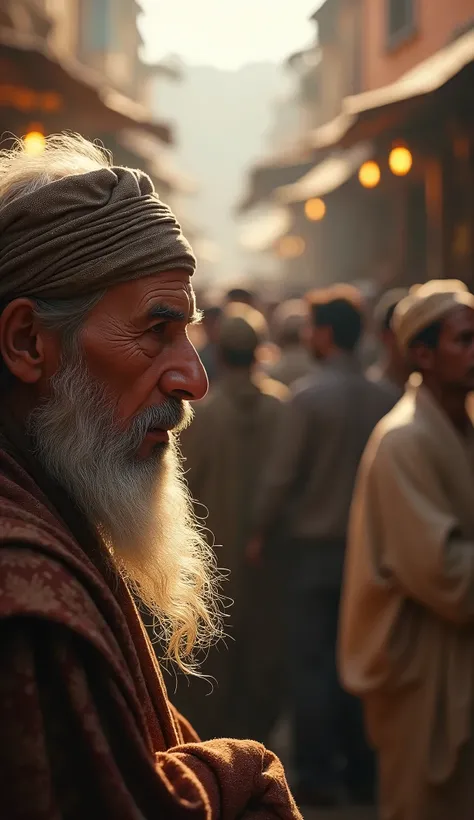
400	21
96	25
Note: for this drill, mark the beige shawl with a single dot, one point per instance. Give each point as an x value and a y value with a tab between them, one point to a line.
407	620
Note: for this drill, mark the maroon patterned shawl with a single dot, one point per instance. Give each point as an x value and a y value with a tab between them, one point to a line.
86	728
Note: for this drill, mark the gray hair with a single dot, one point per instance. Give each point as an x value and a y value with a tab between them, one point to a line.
67	316
63	155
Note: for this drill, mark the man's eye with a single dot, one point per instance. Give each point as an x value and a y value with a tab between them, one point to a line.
160	328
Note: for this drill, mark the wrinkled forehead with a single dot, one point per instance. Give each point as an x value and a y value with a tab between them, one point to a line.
139	298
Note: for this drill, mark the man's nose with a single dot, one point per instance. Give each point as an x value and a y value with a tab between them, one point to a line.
185	378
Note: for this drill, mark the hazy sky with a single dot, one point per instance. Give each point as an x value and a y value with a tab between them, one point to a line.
226	33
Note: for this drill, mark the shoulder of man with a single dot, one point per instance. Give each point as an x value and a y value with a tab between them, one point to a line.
387	395
272	390
397	435
320	389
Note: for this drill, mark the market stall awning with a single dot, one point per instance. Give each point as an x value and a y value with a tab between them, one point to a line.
263	227
63	93
272	173
361	118
326	176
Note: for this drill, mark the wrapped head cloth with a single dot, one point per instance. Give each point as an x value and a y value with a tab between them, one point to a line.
427	304
86	232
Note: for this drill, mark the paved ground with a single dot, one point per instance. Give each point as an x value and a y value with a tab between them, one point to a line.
281	745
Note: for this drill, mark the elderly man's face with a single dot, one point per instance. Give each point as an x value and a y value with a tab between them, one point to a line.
95	432
135	343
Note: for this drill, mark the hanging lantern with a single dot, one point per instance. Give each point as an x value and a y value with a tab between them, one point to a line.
34	141
369	174
290	247
315	209
400	161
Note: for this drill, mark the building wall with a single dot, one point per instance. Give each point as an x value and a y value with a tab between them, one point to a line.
436	23
102	34
349	38
340	49
122	63
64	34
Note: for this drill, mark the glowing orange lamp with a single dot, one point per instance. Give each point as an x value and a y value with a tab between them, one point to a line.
369	174
400	161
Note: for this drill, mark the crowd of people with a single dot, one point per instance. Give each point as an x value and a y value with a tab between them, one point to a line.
292	511
301	552
271	459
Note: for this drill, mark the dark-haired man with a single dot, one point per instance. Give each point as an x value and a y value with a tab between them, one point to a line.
407	625
308	490
392	366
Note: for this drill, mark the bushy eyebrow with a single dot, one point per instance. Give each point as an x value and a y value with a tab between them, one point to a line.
170	314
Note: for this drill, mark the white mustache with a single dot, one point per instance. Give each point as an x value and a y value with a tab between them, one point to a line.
171	414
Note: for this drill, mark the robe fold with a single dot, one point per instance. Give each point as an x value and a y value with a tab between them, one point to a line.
86	728
406	643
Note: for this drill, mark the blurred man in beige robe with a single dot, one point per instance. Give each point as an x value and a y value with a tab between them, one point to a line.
407	624
226	452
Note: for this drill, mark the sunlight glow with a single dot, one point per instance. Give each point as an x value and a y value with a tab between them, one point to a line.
226	33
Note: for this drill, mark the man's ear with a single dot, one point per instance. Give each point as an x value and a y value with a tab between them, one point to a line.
22	344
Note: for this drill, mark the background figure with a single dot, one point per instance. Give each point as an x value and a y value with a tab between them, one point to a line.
208	353
308	489
226	449
289	320
392	367
407	619
241	296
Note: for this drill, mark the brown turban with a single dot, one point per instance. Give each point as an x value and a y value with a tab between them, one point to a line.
83	233
427	304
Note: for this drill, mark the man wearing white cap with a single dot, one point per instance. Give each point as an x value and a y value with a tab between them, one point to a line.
406	642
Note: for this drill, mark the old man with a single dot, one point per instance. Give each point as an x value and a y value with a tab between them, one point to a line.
96	374
407	627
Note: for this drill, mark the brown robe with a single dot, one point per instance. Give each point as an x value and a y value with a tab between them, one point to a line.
407	618
86	726
226	449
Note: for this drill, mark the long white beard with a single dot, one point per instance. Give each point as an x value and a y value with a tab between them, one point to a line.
141	508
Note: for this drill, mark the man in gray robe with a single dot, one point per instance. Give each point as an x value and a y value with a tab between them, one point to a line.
306	495
407	623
